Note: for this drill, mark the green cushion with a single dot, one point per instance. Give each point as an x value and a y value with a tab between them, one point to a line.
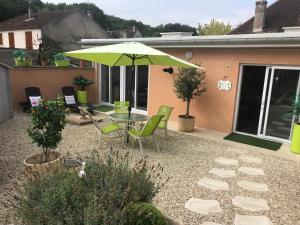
109	128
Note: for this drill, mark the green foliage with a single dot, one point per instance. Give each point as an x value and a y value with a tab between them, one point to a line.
19	54
82	82
189	83
99	198
48	121
214	27
144	214
295	109
60	56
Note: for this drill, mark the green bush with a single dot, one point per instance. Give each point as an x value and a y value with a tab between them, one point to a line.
144	214
99	198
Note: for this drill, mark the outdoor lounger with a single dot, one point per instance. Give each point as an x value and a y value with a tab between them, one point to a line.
33	96
71	101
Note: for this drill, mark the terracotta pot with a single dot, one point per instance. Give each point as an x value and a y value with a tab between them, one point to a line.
35	168
186	124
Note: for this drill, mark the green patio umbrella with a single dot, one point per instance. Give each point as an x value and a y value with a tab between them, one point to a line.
129	54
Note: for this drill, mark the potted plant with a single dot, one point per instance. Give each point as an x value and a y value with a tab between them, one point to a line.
295	113
27	60
61	60
82	82
19	57
48	121
188	83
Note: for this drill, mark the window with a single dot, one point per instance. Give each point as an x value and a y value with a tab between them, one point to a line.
115	82
28	39
1	39
11	40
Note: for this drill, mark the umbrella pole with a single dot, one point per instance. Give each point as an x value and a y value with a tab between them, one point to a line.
130	86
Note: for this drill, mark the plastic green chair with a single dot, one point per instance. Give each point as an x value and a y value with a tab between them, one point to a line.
146	132
121	106
105	128
165	111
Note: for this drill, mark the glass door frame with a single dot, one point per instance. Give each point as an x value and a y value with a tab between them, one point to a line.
265	102
123	88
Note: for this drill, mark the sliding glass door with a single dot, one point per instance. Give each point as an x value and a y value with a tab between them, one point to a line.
266	96
114	85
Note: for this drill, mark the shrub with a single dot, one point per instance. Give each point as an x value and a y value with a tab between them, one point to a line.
144	214
99	198
48	121
60	56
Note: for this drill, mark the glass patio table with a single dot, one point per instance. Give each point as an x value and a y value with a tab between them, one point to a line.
128	120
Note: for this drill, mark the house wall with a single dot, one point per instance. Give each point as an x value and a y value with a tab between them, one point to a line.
68	31
50	80
214	109
20	41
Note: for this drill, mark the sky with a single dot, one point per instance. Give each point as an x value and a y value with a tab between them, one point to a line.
191	12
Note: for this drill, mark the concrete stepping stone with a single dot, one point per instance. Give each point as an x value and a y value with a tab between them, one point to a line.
227	162
223	173
252	171
252	220
253	186
250	159
210	223
251	204
203	206
214	184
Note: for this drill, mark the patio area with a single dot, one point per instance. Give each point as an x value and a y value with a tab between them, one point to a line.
238	180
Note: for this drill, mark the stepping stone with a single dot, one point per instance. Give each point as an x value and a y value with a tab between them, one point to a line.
203	206
251	204
210	223
227	162
250	159
213	184
252	220
223	173
252	171
252	186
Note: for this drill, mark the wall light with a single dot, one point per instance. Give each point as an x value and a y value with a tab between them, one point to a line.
169	70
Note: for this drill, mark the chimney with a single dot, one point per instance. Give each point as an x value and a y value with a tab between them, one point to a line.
259	19
29	9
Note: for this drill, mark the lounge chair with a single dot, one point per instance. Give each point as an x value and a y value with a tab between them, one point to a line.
146	132
71	100
33	96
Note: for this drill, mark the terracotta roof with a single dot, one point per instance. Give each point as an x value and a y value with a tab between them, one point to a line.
282	13
38	20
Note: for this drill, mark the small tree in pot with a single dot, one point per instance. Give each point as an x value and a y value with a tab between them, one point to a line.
48	122
188	83
82	82
295	113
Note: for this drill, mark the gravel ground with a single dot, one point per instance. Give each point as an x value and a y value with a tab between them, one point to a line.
185	159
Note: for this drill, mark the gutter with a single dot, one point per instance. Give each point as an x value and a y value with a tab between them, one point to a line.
264	40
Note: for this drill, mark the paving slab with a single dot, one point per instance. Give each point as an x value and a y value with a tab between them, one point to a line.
213	184
227	162
203	207
252	220
251	171
251	204
223	173
210	223
253	186
250	159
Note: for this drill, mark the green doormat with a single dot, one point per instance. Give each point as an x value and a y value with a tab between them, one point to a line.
104	108
258	142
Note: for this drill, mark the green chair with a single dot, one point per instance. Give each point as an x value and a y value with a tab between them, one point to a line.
121	106
146	132
106	128
165	111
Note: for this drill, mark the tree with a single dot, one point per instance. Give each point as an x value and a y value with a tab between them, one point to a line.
214	27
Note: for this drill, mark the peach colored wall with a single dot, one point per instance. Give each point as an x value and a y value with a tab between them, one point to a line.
50	80
214	109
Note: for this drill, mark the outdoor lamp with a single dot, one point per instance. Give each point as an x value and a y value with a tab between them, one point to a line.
169	70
